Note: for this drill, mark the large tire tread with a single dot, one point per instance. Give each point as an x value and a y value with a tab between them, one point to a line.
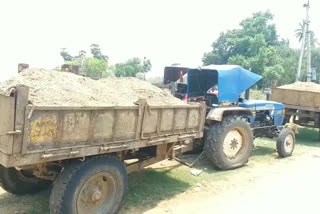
281	140
214	139
72	169
10	182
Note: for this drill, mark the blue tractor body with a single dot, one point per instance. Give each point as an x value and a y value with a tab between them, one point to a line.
232	122
273	109
229	82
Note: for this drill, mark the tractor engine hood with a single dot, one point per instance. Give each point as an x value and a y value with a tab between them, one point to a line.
233	80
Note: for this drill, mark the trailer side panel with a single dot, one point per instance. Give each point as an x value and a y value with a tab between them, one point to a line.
7	107
297	98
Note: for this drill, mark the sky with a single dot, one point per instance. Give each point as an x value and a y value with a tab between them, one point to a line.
165	31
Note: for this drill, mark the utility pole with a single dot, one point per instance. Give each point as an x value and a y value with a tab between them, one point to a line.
309	71
305	34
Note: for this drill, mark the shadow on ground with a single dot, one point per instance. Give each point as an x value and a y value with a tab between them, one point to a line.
149	187
262	151
308	137
27	204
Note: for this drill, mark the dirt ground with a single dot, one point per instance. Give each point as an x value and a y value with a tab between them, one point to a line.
288	187
267	184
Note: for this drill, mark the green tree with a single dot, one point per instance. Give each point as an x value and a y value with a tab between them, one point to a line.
65	55
91	67
256	46
94	68
299	31
82	54
299	35
315	61
132	66
96	52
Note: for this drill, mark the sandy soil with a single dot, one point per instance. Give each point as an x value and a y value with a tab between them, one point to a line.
303	86
290	187
67	89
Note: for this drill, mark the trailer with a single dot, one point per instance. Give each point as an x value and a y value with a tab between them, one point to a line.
302	107
68	145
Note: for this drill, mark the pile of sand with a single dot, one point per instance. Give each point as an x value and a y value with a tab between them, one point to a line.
303	86
67	89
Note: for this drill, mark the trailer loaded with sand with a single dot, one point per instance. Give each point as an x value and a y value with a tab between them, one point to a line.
302	102
83	136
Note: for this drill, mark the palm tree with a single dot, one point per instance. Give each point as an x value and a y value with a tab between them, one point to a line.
299	31
299	35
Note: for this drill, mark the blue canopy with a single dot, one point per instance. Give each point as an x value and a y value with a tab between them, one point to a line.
233	80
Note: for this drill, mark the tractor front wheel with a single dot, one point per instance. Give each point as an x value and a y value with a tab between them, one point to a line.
286	142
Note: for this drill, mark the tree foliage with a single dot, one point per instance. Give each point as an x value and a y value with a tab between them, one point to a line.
257	47
66	55
95	66
96	52
132	67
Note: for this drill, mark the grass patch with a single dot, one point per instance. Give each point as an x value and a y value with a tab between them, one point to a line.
308	137
151	186
26	204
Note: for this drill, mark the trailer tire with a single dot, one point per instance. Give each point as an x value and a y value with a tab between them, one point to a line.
21	182
286	142
97	185
229	143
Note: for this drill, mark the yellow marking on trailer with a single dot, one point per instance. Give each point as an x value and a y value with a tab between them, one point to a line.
43	130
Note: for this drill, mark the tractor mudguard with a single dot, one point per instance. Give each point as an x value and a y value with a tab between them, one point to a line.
217	114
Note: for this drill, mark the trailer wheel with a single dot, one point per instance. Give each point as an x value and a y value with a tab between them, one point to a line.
97	185
21	182
286	142
229	143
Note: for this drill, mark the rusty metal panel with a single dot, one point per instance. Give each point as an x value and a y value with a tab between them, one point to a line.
6	123
126	124
180	119
166	120
159	121
22	97
53	128
194	118
75	126
103	126
150	121
70	128
43	127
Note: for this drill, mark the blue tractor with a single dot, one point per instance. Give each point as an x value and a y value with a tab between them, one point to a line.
232	122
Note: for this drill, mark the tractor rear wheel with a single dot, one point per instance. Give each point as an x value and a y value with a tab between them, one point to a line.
229	143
